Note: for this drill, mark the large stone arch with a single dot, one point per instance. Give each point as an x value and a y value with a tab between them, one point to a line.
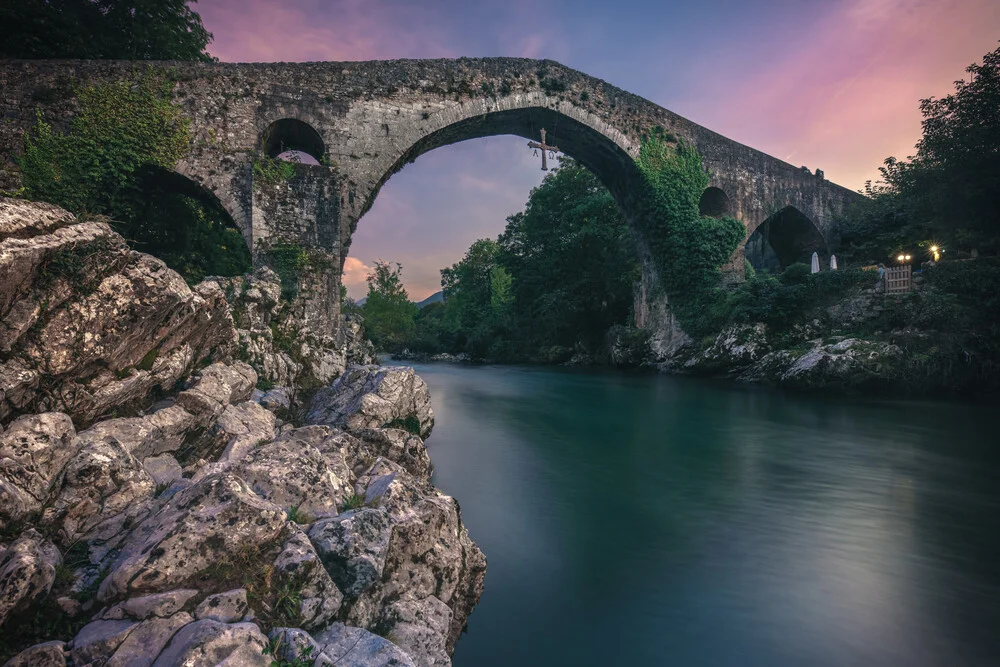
430	123
373	117
785	237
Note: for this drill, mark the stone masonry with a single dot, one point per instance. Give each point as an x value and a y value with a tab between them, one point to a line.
363	121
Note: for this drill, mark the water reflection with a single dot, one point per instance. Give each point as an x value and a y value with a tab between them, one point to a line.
635	519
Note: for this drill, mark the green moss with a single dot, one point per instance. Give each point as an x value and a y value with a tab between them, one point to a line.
271	171
687	249
146	363
409	424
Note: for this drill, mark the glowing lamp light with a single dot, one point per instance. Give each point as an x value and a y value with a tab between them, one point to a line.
901	258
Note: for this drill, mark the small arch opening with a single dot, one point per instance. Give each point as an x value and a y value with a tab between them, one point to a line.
714	203
785	238
292	140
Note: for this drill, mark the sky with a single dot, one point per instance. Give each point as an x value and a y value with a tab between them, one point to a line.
831	84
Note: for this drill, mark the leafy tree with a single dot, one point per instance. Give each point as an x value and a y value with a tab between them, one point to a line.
477	297
950	190
572	259
388	312
102	29
116	159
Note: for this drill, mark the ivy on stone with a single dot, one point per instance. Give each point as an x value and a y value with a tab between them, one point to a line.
687	248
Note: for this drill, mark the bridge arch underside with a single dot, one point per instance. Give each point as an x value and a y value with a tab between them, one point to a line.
786	237
155	182
611	163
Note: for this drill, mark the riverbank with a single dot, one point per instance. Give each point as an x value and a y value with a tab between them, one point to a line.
193	476
745	525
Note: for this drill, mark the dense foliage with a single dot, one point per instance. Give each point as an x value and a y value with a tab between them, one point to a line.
388	311
102	29
116	159
949	192
553	283
687	248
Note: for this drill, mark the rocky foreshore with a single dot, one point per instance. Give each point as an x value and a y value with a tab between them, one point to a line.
186	477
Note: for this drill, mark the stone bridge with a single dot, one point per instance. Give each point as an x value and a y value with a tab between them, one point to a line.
363	121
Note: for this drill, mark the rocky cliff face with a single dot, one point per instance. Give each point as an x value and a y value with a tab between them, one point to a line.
203	528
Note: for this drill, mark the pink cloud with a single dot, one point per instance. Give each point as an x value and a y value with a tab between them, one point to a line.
846	94
310	30
355	277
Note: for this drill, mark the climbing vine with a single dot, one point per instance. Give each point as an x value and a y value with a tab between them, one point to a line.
687	249
272	170
115	158
120	126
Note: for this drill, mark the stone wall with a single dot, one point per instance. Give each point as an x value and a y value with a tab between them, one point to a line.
371	118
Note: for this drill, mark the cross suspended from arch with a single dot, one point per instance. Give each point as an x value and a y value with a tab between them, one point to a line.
544	147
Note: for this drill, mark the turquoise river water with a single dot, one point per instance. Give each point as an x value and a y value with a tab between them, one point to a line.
633	519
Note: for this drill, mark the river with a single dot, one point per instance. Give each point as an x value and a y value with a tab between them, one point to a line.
634	519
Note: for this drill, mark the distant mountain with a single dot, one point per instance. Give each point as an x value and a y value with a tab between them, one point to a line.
433	298
437	297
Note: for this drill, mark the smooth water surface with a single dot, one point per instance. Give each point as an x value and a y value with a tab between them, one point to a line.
652	520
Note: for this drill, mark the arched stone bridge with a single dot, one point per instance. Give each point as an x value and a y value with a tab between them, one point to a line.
364	120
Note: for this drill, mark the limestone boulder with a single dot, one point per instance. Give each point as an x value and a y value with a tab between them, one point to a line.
103	482
209	642
847	363
200	538
292	472
354	548
27	572
88	326
371	397
400	446
47	654
34	450
348	646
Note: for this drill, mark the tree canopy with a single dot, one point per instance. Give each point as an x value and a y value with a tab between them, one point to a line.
102	29
949	192
388	311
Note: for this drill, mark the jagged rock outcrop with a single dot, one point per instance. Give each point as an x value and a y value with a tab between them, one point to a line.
27	571
746	354
87	325
367	397
33	452
187	532
282	350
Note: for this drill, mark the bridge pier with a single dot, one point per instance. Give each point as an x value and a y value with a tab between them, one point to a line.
295	230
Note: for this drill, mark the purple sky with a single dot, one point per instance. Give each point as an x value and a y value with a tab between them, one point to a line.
832	85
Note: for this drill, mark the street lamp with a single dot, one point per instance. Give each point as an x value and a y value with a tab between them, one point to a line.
936	252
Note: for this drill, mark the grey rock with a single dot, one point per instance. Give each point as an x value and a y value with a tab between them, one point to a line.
240	429
209	642
159	605
279	398
103	482
347	646
397	445
198	528
420	627
98	640
368	397
228	607
290	472
121	312
215	388
146	640
27	571
164	469
320	599
354	547
49	654
33	452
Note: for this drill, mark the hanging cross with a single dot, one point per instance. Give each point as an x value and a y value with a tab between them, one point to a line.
544	147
